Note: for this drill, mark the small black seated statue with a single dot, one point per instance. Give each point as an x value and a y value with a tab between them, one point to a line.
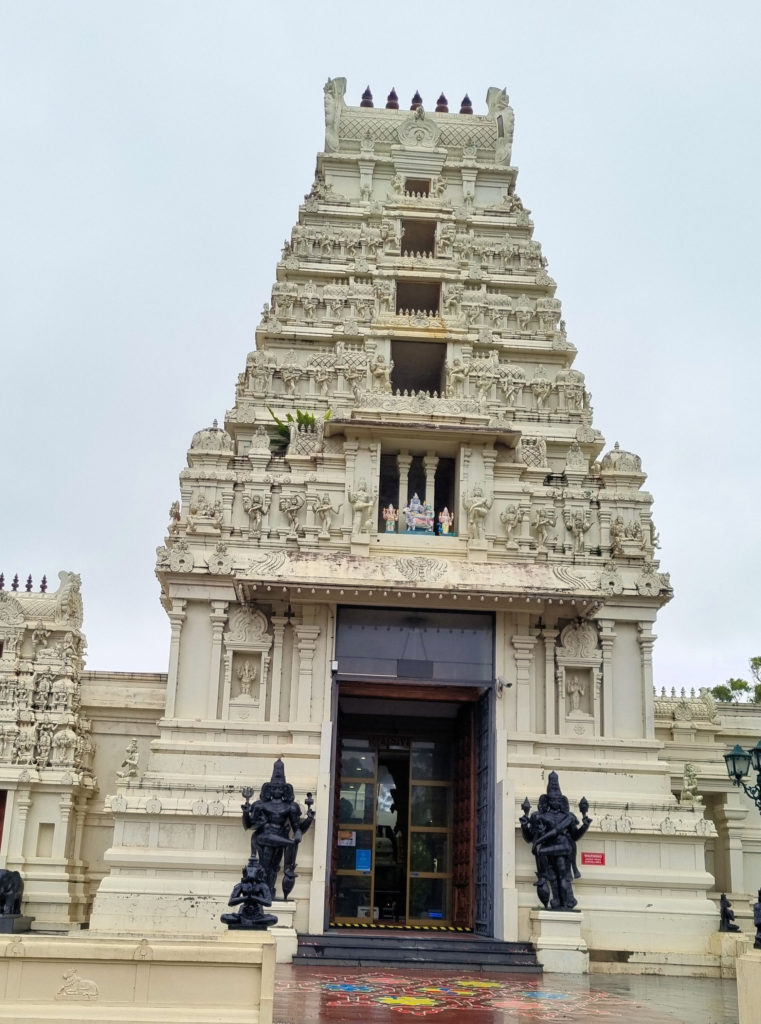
757	921
553	831
249	895
277	828
727	916
11	892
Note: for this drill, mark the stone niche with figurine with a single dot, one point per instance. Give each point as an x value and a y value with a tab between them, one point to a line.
578	661
246	665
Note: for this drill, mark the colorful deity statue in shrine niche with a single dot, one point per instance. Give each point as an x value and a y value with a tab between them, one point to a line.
446	520
418	516
390	517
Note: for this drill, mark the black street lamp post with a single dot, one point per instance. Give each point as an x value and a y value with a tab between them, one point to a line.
739	763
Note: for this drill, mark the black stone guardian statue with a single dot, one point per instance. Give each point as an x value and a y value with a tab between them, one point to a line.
249	895
553	831
277	828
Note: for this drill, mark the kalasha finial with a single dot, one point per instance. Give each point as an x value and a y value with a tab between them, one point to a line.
2	580
367	98
14	583
417	101
442	107
466	107
392	101
44	585
28	586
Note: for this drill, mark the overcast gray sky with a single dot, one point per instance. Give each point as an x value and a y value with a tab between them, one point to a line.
153	158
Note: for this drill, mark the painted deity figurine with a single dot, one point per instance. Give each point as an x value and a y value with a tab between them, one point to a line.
390	517
553	831
446	520
277	828
418	516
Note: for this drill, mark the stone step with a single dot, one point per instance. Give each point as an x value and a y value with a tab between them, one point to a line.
455	952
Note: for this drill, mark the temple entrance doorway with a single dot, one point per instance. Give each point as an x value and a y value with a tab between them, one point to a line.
404	851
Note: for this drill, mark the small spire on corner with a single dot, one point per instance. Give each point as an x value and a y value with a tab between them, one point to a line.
466	107
442	107
392	102
417	101
367	98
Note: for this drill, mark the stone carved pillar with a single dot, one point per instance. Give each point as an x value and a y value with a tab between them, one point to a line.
176	619
403	461
218	618
549	636
605	517
79	826
524	657
730	819
350	454
279	622
646	639
430	462
21	805
607	639
61	835
489	456
306	638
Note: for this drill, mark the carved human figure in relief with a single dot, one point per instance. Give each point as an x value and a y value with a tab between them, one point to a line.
397	185
546	518
457	373
575	689
363	502
246	678
256	507
128	769
174	518
325	511
577	523
477	506
291	505
511	518
689	793
617	536
381	373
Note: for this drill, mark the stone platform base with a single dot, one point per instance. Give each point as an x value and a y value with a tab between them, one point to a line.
224	980
284	933
11	924
556	936
748	987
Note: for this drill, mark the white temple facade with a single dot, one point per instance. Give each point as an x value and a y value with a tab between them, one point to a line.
408	565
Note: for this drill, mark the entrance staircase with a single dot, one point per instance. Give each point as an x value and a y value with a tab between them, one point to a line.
349	947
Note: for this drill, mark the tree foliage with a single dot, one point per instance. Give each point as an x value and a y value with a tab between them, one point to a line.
740	691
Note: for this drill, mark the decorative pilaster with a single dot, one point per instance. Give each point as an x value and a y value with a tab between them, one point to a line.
279	622
218	618
549	635
607	640
66	805
17	834
306	638
646	639
524	658
176	619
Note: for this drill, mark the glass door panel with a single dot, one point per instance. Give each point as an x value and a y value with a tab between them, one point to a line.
356	832
430	830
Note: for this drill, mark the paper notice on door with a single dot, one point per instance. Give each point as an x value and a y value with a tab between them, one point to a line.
347	838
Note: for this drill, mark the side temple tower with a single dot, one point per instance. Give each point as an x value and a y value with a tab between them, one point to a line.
406	567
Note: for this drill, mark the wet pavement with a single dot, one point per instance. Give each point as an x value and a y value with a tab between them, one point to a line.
336	995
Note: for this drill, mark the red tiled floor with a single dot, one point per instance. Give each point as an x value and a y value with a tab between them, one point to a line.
334	995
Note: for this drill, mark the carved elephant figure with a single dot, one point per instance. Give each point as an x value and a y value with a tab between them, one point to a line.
11	892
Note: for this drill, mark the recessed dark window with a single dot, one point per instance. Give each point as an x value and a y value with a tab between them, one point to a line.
418	366
418	296
418	236
418	186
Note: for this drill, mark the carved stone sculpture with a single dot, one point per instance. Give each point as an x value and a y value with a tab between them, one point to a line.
363	502
250	895
511	518
727	916
255	506
325	511
553	831
277	828
128	769
11	892
689	794
477	506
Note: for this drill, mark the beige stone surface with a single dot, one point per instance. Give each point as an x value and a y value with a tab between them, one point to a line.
559	943
749	987
103	981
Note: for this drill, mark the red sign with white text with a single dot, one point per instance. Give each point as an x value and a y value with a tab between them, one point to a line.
593	858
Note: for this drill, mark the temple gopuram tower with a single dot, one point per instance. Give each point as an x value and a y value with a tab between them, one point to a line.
409	566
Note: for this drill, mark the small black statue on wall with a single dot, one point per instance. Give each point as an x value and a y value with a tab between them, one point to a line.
249	895
277	828
553	831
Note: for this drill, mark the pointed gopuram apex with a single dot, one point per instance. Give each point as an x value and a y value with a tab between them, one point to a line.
406	567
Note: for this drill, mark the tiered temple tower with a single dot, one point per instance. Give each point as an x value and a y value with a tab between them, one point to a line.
406	556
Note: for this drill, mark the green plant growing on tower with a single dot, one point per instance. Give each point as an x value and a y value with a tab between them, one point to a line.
301	419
